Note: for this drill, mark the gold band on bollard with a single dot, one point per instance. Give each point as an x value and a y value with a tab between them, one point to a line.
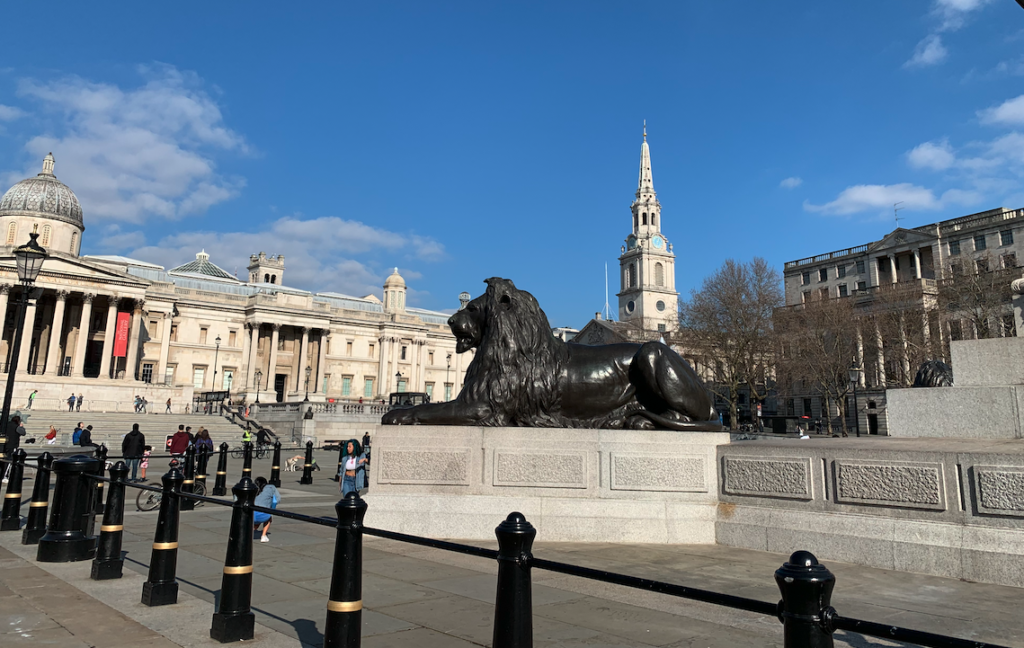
246	469
200	476
344	606
275	467
99	484
306	465
221	473
112	527
37	504
244	569
165	545
12	495
188	481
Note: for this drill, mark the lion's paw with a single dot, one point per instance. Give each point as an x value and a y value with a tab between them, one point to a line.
398	417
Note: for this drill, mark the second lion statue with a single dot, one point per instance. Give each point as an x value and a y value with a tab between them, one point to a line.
522	375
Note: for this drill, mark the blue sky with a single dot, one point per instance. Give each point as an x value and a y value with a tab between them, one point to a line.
459	141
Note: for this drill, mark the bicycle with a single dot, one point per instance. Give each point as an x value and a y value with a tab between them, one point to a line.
258	451
148	500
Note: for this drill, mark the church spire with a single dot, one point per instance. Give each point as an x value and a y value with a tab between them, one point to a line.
646	182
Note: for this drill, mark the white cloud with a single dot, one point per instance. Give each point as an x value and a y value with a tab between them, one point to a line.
1010	112
953	13
861	198
131	154
791	183
930	51
10	113
936	156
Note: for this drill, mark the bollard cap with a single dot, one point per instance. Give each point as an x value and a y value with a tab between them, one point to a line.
76	464
45	460
350	510
515	522
277	444
119	471
803	566
172	479
19	454
245	490
224	446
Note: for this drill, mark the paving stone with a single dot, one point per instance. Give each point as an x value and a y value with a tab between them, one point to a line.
483	587
50	637
418	637
414	571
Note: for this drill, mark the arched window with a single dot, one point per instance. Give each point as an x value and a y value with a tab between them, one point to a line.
44	240
266	278
652	220
74	242
273	279
632	276
12	232
636	221
659	274
645	219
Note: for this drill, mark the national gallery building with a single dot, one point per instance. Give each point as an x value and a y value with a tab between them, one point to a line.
111	327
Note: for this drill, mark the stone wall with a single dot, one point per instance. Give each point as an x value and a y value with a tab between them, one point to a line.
937	506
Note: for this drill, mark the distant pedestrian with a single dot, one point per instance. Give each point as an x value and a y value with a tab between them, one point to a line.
191	437
817	426
138	403
180	441
353	471
71	403
14	433
32	397
268	497
145	463
76	436
168	410
144	403
78	403
133	447
203	440
51	436
85	440
366	440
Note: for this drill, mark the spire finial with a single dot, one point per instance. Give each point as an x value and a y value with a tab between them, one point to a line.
48	164
645	130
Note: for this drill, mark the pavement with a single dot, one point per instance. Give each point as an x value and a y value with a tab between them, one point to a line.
426	598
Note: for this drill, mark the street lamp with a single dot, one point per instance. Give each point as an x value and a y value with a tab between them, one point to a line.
309	370
855	373
29	258
259	378
216	352
398	376
447	372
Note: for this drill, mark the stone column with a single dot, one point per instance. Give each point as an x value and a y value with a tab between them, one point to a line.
421	357
892	267
860	358
917	262
108	337
254	347
322	359
53	353
382	366
881	357
133	341
1017	287
300	369
83	336
5	291
396	344
26	339
165	346
905	355
272	367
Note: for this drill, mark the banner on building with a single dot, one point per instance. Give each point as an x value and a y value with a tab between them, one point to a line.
121	335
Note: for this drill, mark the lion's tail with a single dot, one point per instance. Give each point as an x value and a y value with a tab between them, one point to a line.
686	426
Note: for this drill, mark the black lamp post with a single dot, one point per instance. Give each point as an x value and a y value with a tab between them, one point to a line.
309	370
259	381
216	352
397	377
447	395
29	258
855	373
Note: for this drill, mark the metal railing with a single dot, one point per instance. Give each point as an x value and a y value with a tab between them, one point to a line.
806	586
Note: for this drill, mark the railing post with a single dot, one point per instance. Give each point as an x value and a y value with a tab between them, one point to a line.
202	463
108	562
275	467
341	459
97	494
35	527
65	539
10	519
234	620
513	604
220	482
189	478
161	588
246	461
805	609
307	468
344	608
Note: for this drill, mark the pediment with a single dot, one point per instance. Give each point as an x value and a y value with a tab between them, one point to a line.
899	237
57	266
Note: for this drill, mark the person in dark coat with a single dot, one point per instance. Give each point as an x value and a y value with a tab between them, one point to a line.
132	448
180	441
86	438
15	430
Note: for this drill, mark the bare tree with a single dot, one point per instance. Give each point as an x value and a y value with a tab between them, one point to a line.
977	293
898	314
728	323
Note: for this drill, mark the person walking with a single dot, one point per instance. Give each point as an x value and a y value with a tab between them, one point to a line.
71	403
85	440
144	403
14	433
78	404
268	497
32	397
132	449
168	410
366	440
353	472
179	442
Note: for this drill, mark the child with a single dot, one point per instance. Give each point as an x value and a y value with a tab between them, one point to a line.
268	497
145	463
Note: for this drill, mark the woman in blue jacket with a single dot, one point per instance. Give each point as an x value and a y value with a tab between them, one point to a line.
353	470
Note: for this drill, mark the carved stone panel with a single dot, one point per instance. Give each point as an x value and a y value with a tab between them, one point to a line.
894	484
1000	490
767	477
424	467
674	473
540	470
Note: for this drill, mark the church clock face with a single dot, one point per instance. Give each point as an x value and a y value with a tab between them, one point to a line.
631	242
658	242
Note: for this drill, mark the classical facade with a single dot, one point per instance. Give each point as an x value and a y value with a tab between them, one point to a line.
111	327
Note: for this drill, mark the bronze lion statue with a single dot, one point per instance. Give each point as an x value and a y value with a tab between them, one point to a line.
522	375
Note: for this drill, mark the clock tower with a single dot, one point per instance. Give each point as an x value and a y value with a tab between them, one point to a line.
648	267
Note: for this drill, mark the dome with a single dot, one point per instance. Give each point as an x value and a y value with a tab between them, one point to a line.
202	266
43	194
394	281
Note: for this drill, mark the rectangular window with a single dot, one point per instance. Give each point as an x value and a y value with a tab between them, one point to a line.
807	407
860	267
403	352
429	389
430	357
348	349
842	290
174	332
790	407
229	379
1006	237
202	335
401	385
152	329
805	277
447	391
327	381
346	385
232	338
169	374
806	296
280	342
823	293
368	387
198	377
979	243
1010	260
862	285
954	248
823	274
956	269
147	372
371	351
841	271
982	265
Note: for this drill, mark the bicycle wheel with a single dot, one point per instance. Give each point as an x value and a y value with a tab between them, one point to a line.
237	453
199	488
148	500
261	452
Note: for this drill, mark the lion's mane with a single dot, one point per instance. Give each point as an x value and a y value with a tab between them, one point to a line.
518	362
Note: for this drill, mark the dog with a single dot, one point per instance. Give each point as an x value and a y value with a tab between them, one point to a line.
295	463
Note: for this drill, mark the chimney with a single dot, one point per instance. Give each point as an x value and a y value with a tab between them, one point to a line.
597	316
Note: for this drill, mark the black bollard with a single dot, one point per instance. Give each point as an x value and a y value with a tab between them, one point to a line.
189	474
246	460
202	463
341	459
96	502
65	539
161	588
513	605
344	608
234	620
805	608
108	562
10	519
35	527
275	468
220	482
307	468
